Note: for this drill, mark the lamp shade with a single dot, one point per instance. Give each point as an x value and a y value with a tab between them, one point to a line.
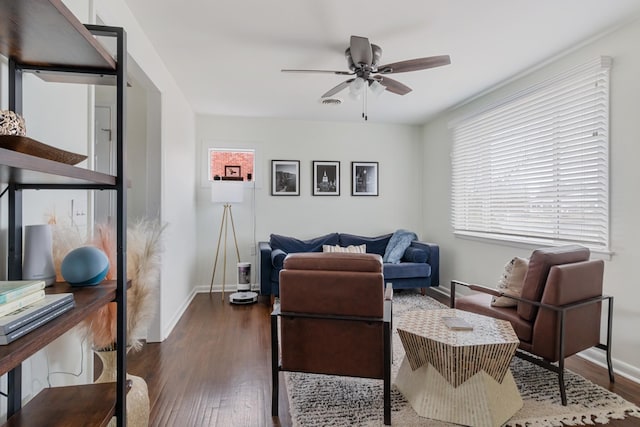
227	191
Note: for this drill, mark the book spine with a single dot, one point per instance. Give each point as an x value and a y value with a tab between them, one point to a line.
20	292
26	300
22	321
6	339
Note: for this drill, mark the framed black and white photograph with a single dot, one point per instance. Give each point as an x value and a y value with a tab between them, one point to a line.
326	178
364	178
285	177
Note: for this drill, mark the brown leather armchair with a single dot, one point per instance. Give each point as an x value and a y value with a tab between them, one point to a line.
334	318
559	311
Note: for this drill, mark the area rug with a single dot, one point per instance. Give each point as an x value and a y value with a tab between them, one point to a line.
323	400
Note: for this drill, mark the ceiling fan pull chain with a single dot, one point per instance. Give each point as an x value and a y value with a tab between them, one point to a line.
364	100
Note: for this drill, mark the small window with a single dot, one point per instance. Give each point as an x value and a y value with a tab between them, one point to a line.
231	164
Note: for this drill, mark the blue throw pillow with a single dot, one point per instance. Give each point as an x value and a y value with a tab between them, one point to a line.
398	243
416	255
375	245
292	245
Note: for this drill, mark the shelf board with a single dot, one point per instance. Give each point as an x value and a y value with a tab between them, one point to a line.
46	33
23	168
87	299
84	405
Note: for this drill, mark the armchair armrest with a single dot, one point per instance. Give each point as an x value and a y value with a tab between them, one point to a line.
473	287
497	293
265	267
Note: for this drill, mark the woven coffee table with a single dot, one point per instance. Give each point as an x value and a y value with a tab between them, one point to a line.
458	376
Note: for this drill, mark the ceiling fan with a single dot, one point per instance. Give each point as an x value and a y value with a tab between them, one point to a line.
363	59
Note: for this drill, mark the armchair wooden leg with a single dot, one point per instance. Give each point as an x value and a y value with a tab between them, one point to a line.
275	371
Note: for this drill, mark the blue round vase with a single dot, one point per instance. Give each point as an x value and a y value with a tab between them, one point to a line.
85	266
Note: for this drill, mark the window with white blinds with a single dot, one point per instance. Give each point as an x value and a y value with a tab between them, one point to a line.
534	167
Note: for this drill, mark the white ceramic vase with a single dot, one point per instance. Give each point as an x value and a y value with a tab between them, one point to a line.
137	397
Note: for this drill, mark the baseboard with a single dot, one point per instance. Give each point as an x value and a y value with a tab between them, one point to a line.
445	292
623	369
178	315
217	288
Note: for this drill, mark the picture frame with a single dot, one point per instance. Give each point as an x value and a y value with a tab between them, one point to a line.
326	178
285	177
232	171
364	178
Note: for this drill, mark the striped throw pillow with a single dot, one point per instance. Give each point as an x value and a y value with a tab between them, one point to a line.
360	249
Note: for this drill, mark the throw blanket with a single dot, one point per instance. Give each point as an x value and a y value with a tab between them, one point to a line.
398	243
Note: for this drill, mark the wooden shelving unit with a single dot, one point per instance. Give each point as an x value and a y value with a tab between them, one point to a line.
30	170
87	300
44	38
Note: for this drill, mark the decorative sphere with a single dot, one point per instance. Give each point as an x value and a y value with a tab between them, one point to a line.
85	266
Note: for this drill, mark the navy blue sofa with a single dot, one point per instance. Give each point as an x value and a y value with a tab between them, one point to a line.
418	268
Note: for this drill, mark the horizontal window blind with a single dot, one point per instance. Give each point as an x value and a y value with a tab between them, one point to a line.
535	166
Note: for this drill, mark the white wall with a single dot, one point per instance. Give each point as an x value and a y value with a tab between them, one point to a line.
482	262
177	147
397	148
136	151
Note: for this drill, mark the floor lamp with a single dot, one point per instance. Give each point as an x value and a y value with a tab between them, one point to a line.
227	193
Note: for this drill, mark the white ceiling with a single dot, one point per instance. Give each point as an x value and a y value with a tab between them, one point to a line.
226	55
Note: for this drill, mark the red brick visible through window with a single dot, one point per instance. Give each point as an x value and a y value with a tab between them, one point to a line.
231	163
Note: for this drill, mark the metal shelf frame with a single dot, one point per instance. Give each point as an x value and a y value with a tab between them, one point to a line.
77	74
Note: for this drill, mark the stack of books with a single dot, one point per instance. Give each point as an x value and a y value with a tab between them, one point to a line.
24	306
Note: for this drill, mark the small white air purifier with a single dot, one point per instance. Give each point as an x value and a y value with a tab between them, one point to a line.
37	263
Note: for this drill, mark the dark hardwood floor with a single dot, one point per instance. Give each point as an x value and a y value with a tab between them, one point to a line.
215	369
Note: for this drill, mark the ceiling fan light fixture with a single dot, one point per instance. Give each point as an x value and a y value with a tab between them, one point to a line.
376	88
355	88
357	84
363	60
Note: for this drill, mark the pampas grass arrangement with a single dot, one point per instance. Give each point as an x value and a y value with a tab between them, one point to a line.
144	247
65	238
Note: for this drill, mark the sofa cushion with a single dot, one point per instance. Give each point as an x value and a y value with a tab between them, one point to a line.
398	243
412	254
511	282
361	249
375	245
293	245
406	270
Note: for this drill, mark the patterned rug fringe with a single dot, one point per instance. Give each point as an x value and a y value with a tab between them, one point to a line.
577	419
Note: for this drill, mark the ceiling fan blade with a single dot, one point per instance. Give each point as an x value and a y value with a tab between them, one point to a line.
337	89
361	50
340	73
415	64
393	86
